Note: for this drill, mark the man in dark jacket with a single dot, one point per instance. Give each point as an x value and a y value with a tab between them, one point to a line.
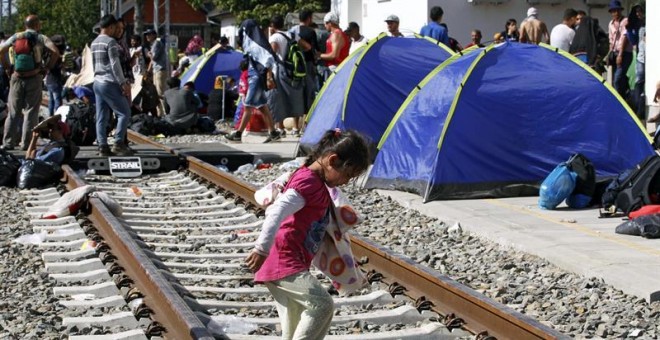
180	105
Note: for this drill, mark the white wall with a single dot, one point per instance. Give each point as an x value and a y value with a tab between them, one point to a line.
460	16
229	29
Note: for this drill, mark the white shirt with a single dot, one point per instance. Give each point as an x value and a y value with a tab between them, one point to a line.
281	42
562	37
357	43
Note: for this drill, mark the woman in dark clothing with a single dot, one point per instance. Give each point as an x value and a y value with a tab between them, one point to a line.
510	32
584	45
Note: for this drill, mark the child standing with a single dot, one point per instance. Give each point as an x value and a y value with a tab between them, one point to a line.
294	228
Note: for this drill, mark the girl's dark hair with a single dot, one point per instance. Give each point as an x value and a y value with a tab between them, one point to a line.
509	22
351	147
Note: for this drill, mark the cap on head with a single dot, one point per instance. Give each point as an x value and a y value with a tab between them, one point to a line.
331	17
149	32
392	18
615	5
532	11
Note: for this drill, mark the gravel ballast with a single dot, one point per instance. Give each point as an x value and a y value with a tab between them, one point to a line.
28	309
581	307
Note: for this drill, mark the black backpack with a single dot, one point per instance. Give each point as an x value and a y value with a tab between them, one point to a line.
585	183
634	188
82	123
294	61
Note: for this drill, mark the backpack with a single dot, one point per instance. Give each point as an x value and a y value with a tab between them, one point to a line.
585	183
294	61
26	53
633	188
82	123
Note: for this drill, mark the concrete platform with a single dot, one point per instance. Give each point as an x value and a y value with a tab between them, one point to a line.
575	240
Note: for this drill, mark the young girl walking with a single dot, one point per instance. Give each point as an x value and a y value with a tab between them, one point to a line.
294	228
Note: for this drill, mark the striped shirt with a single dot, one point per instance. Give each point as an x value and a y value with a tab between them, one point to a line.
107	65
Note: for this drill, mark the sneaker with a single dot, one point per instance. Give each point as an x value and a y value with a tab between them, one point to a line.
282	133
104	151
234	136
120	149
274	136
295	133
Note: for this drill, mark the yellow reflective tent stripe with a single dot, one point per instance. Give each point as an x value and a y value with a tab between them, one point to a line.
443	46
607	85
330	79
457	96
412	95
356	66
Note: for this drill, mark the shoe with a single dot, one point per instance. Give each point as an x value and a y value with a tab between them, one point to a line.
104	151
120	149
295	133
234	136
274	136
282	133
7	147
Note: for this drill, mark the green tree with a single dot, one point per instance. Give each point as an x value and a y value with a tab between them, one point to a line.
263	10
74	19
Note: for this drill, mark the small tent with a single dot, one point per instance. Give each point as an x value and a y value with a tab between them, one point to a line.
213	63
495	121
371	84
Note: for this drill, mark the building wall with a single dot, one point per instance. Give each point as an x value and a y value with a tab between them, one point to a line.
180	13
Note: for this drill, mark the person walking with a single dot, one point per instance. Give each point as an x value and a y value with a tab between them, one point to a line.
261	59
433	29
26	80
308	35
111	89
357	39
294	228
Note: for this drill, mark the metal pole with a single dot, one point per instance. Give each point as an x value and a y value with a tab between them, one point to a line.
224	85
156	5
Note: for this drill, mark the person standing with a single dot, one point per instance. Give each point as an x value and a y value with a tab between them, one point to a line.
357	39
308	35
433	29
392	22
620	55
111	89
637	37
337	45
510	32
475	39
533	30
25	85
157	66
562	35
55	78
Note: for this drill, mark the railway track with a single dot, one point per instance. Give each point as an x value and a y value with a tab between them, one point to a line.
174	262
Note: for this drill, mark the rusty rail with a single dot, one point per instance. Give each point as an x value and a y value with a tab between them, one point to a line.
478	312
168	307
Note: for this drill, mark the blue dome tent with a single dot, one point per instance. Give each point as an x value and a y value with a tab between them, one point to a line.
213	63
371	84
495	121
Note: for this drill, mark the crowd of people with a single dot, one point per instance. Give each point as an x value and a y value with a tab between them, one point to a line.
269	85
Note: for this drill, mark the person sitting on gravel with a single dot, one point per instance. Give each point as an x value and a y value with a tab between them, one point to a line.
294	228
54	151
180	105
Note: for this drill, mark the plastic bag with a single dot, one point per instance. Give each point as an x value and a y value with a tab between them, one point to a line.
556	187
229	324
35	173
8	168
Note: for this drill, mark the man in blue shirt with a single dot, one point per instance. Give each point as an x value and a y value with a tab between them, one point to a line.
433	29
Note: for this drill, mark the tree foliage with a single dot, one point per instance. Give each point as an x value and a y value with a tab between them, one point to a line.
263	10
74	19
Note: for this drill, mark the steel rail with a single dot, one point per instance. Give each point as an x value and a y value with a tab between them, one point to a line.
478	312
168	307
